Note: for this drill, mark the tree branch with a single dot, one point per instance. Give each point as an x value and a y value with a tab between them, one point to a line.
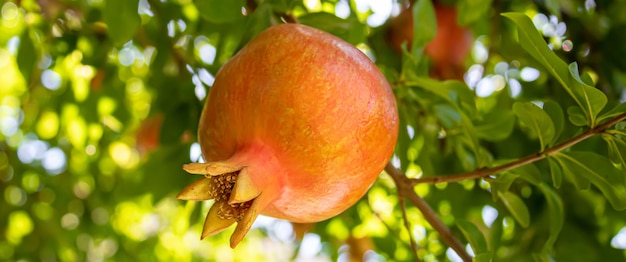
405	190
482	173
407	225
389	228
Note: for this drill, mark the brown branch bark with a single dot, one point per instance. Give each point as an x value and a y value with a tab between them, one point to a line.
405	185
405	190
482	173
407	225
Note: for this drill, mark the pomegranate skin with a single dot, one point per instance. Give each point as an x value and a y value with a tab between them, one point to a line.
309	114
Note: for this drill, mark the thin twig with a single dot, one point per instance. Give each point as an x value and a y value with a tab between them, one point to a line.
389	228
482	173
407	225
405	189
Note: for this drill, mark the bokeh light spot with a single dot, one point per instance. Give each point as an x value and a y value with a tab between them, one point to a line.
43	211
4	161
567	45
123	154
31	182
70	221
20	225
15	195
46	195
54	161
90	150
311	245
206	77
9	126
489	215
48	125
82	190
195	152
31	150
207	53
9	11
100	216
342	9
619	240
515	86
51	79
126	56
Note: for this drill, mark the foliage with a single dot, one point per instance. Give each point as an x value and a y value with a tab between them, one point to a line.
99	104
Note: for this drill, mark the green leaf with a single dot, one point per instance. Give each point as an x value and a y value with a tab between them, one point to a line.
540	257
615	111
570	173
555	172
174	125
473	235
26	56
158	172
589	99
528	172
436	87
600	172
424	23
455	92
516	207
483	257
122	19
556	215
592	99
536	120
218	11
530	39
473	10
448	117
350	30
495	126
461	95
555	112
282	5
404	140
576	116
501	183
617	150
257	22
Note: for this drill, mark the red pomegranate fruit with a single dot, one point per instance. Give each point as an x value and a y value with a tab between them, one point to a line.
297	126
148	134
447	51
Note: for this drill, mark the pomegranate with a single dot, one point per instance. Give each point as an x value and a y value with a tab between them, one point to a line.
148	133
297	126
448	50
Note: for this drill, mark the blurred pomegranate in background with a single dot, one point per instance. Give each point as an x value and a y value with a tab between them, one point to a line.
447	51
147	135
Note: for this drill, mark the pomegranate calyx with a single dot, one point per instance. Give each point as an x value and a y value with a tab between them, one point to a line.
235	195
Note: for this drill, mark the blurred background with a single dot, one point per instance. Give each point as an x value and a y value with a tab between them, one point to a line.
99	101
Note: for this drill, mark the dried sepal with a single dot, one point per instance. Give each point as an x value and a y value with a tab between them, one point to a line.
244	190
198	190
213	223
211	169
244	225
